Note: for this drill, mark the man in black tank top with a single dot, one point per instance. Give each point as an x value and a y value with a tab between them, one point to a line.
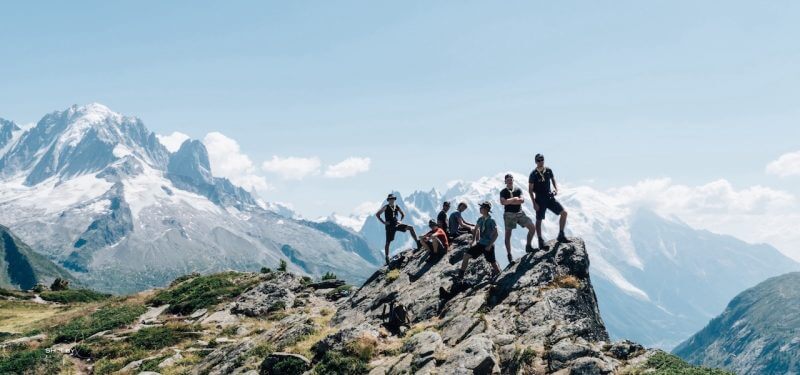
393	224
544	199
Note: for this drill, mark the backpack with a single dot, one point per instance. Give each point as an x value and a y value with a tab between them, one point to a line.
398	316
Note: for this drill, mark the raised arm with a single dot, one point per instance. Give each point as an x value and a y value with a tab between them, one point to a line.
378	214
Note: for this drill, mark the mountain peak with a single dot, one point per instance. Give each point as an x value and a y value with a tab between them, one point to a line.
191	162
80	140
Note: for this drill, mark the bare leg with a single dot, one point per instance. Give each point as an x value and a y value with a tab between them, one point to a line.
531	232
508	245
539	228
424	246
563	221
496	268
436	244
413	234
464	264
386	251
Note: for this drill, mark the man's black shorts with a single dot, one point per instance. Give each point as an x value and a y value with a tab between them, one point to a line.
548	203
391	229
478	250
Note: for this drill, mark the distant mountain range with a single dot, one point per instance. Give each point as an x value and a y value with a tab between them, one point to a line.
97	193
658	280
758	333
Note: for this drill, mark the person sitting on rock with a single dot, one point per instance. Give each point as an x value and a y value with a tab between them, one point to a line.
457	225
435	240
393	224
485	234
512	200
441	219
544	199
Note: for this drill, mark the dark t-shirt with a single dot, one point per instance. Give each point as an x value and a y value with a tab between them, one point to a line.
454	223
442	220
541	182
390	214
505	193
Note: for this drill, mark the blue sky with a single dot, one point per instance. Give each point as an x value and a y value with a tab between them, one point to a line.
612	93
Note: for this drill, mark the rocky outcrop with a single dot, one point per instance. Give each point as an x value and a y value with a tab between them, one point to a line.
539	315
274	295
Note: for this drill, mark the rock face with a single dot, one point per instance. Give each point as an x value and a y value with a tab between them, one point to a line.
539	316
21	267
756	334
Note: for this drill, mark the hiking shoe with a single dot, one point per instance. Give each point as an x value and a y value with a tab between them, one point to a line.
510	259
562	238
529	249
541	244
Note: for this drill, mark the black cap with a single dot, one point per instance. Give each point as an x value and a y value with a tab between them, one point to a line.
446	203
487	204
539	157
390	197
431	222
509	175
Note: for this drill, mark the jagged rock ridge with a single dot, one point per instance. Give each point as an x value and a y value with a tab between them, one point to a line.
543	305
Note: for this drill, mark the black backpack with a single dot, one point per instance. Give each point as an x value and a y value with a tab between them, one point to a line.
398	316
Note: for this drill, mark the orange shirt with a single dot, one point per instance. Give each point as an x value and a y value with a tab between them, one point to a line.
439	233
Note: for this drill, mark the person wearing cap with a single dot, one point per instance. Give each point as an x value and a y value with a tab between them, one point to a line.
544	199
483	239
393	223
435	239
512	200
457	225
441	219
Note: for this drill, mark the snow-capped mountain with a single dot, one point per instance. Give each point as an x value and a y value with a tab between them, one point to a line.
658	280
97	192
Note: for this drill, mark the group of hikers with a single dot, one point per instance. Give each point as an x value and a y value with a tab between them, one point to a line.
484	231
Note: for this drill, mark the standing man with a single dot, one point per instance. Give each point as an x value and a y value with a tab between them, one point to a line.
393	223
441	219
512	200
485	234
435	240
544	199
457	224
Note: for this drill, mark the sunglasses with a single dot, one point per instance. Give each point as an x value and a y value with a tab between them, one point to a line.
539	160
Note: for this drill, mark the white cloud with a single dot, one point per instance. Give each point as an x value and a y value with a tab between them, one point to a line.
786	165
228	161
292	168
173	141
348	167
756	214
716	197
366	209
